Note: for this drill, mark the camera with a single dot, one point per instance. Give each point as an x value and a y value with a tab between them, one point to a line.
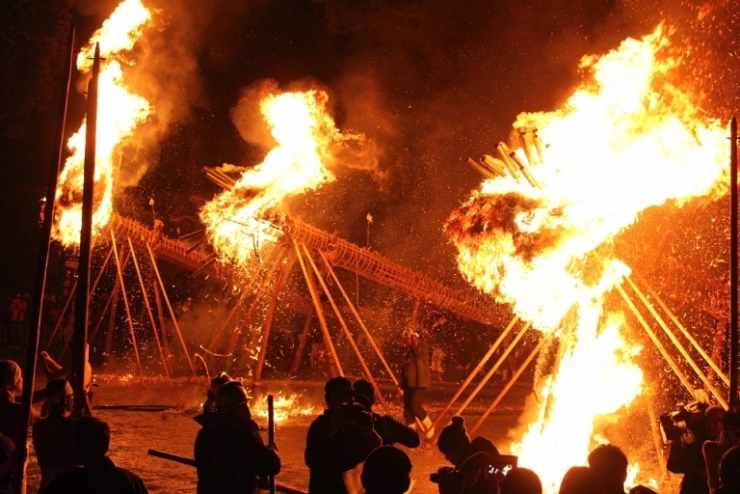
683	425
440	475
502	465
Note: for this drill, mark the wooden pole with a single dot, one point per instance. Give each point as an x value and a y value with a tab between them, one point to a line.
718	343
115	293
493	369
169	307
368	335
149	310
58	325
319	312
37	302
301	346
475	371
128	309
271	433
508	386
656	341
347	332
267	325
162	322
717	395
82	300
686	333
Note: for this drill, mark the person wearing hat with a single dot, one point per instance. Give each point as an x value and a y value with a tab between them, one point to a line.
230	455
53	436
219	380
471	460
387	471
416	378
12	420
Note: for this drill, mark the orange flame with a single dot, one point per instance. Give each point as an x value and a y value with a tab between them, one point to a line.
624	142
306	138
119	113
284	406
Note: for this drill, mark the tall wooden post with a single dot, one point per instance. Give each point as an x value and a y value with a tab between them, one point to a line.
82	301
34	330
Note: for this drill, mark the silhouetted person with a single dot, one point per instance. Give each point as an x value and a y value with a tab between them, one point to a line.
609	466
98	474
471	461
713	451
729	472
54	435
387	470
579	480
12	421
229	452
7	453
521	481
416	378
219	380
390	430
338	440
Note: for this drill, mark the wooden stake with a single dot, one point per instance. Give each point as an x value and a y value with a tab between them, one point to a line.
128	309
162	323
149	310
301	346
508	386
169	307
319	312
475	371
347	332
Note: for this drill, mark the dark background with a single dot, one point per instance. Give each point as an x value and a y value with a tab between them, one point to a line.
430	82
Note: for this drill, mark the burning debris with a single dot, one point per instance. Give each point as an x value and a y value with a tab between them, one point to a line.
623	142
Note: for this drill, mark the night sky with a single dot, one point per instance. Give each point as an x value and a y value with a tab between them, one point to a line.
429	82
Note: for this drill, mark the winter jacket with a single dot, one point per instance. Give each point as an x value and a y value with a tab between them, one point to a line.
416	372
98	477
230	454
391	431
337	441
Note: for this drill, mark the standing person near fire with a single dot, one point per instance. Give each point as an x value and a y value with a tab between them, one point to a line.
54	435
18	308
416	378
230	455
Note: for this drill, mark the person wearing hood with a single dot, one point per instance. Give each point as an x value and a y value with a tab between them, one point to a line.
230	455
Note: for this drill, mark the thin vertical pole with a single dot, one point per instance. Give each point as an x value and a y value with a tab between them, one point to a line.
733	398
126	306
319	312
34	333
82	300
162	322
149	309
169	306
301	346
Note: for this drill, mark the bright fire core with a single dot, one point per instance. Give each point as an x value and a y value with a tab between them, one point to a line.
626	140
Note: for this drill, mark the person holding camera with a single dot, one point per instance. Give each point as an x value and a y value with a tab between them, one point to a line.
477	465
416	378
338	441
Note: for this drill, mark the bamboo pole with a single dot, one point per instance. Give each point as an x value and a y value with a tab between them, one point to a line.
686	333
58	325
162	322
368	335
301	346
657	440
346	330
718	343
267	325
475	371
114	310
679	346
319	311
493	369
655	340
149	310
169	307
126	306
508	386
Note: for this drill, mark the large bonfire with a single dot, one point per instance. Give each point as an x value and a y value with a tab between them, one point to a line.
120	112
626	140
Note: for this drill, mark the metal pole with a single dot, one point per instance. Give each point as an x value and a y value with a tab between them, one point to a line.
34	330
733	397
82	300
